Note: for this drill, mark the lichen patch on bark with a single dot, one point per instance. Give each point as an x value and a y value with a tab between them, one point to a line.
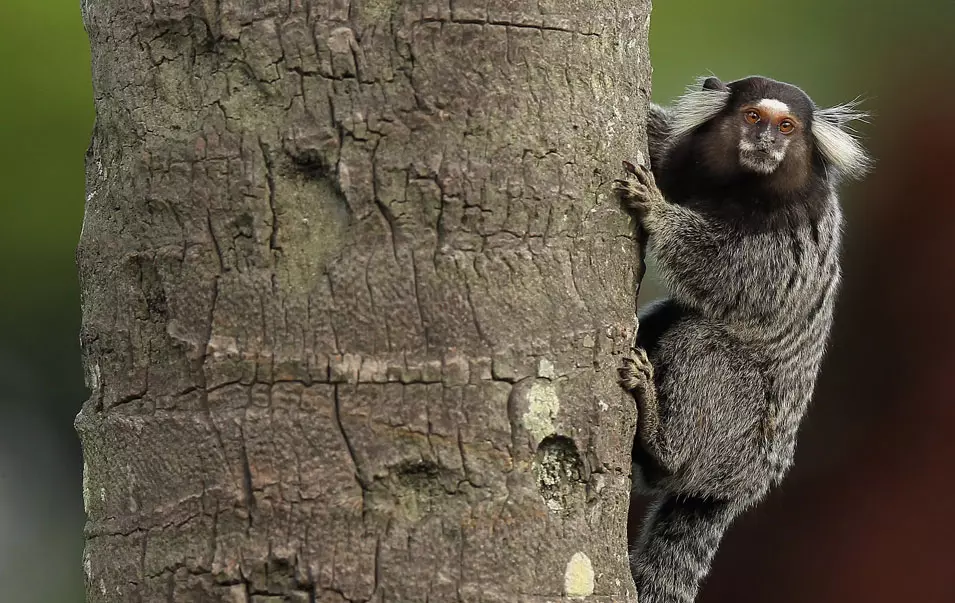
579	576
542	408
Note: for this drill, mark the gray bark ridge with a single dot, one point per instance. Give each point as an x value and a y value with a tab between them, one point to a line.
353	292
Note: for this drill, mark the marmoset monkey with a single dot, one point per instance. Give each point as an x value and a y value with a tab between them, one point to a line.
745	227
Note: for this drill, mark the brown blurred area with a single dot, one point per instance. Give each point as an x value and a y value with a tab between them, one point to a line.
867	513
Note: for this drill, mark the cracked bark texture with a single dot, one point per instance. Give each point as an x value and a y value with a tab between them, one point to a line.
353	292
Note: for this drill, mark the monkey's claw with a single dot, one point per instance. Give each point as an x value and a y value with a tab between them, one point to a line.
636	372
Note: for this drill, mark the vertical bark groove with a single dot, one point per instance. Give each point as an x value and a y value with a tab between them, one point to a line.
353	290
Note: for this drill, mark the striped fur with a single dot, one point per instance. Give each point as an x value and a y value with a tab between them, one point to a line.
752	261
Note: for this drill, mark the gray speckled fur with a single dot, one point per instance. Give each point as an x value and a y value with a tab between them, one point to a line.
724	369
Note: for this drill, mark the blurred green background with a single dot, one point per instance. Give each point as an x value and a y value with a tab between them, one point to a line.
834	50
46	113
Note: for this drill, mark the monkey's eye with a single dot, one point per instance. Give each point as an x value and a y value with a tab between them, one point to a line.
752	116
786	126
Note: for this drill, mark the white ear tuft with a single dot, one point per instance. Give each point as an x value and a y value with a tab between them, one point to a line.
697	106
836	140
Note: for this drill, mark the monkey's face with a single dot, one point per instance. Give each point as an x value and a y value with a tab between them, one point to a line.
767	129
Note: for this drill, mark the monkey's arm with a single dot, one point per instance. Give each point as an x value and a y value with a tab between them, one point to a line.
688	250
711	266
658	132
686	243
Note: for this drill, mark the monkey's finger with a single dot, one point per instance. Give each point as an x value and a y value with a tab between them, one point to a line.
631	386
628	185
638	208
644	176
624	188
629	167
641	192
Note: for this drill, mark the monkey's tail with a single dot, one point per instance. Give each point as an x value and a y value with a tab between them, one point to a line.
679	539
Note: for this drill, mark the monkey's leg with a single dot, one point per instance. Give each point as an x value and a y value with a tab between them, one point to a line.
636	376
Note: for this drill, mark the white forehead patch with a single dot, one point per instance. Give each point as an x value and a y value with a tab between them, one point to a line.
774	105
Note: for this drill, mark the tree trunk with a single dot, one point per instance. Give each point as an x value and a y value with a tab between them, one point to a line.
353	291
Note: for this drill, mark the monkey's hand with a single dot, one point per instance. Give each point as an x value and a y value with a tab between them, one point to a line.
636	374
642	196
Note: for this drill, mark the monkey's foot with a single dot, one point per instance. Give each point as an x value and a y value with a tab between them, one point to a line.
641	195
636	374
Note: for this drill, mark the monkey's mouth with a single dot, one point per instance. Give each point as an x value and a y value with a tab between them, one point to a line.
763	161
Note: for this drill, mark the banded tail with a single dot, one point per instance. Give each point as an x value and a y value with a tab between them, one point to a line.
676	547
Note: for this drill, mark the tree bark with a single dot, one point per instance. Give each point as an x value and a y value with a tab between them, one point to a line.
353	292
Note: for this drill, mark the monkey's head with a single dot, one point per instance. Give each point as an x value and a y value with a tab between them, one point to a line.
767	118
763	127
